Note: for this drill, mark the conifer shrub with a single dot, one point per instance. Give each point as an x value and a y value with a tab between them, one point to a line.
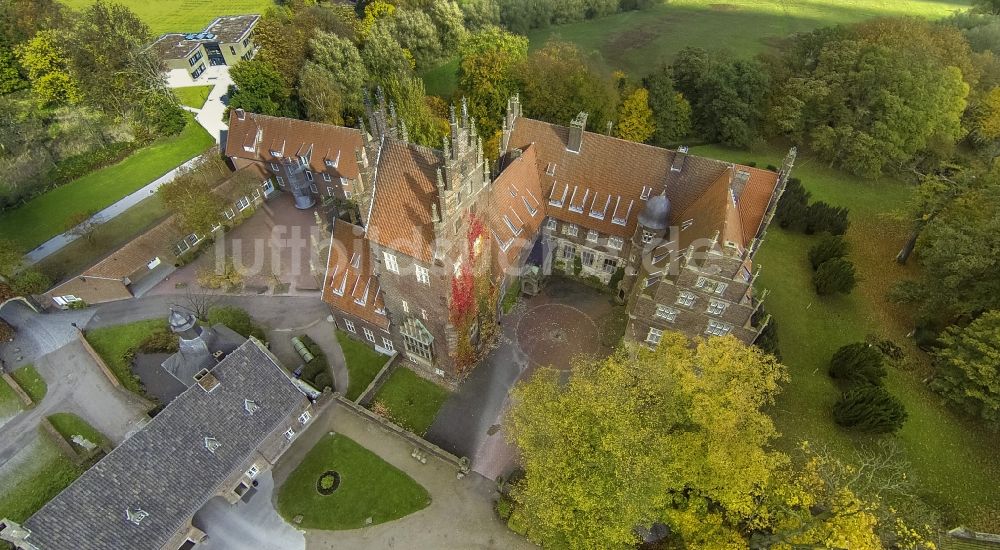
793	208
821	217
828	248
858	362
836	275
870	409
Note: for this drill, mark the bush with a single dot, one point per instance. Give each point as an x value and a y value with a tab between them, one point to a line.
504	507
858	362
80	165
159	341
793	208
869	409
323	380
616	278
822	217
236	319
577	265
31	282
313	370
836	275
767	340
828	248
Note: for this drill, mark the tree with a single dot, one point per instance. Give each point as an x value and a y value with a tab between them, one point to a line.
10	70
870	409
968	367
258	88
836	275
10	258
199	303
671	112
727	94
639	432
557	83
449	21
341	59
828	247
858	362
821	217
45	60
31	282
320	95
189	196
21	19
480	13
991	7
284	35
82	225
635	118
793	208
985	117
486	73
416	33
387	63
373	12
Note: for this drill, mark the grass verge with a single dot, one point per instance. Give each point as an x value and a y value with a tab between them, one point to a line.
409	400
31	382
193	96
10	404
363	363
115	345
69	424
369	488
44	217
41	473
953	460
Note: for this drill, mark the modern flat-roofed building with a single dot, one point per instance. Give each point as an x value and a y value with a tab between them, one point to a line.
225	41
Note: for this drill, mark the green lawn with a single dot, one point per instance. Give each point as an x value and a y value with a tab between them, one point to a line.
41	472
369	488
184	16
637	41
113	343
954	461
10	404
44	217
31	382
193	96
411	401
363	363
442	80
69	424
80	254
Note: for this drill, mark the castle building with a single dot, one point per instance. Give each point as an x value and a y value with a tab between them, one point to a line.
674	234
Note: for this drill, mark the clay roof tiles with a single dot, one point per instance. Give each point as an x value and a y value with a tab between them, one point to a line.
350	285
290	137
516	209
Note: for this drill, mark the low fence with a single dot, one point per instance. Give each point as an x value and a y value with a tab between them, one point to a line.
461	464
21	394
383	374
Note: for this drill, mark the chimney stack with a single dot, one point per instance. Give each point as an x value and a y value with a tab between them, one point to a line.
576	128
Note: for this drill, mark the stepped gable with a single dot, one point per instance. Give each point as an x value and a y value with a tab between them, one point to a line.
405	190
350	285
258	137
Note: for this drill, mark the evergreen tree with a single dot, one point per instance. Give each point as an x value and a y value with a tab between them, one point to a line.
793	208
671	112
823	217
828	248
836	275
869	409
858	362
968	367
635	118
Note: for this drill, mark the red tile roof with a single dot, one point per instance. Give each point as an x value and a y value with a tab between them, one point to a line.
256	136
405	189
516	209
350	285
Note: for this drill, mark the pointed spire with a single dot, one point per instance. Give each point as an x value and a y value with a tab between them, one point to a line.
451	114
440	179
465	113
446	147
435	214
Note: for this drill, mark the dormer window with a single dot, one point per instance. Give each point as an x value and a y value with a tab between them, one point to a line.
276	154
531	209
550	170
599	214
136	515
332	163
510	225
212	444
645	192
250	406
686	224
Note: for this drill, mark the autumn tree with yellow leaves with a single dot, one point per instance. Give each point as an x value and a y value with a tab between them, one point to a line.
675	435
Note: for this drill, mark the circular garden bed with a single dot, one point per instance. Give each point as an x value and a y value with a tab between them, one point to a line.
328	482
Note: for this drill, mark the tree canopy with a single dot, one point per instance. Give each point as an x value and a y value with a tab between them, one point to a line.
968	367
486	73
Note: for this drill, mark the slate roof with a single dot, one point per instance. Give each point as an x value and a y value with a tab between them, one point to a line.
350	285
165	469
291	138
405	190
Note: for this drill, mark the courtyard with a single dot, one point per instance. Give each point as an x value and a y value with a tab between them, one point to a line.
565	322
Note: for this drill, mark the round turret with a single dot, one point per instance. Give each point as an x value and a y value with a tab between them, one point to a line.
656	214
180	321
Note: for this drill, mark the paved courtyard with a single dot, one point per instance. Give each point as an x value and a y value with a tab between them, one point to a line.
566	321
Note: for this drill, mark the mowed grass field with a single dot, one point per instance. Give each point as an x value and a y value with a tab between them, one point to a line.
953	460
637	41
184	15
